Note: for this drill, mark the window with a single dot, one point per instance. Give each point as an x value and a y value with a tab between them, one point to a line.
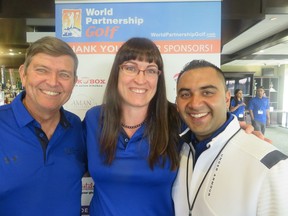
240	80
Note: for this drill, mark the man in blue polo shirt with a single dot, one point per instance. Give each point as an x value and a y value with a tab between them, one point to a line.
259	110
42	153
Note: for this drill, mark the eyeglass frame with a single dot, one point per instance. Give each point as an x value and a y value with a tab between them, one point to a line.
138	70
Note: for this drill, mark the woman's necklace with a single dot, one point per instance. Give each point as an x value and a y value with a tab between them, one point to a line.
134	126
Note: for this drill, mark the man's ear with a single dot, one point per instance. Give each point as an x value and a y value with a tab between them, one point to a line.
227	98
22	74
75	81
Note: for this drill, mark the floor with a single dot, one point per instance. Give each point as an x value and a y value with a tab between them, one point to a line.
279	137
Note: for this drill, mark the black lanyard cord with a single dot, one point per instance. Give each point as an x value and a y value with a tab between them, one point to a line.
187	186
187	170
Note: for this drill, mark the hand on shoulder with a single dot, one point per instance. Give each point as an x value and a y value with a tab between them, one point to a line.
250	130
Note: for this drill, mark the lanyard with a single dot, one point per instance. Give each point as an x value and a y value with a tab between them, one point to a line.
187	171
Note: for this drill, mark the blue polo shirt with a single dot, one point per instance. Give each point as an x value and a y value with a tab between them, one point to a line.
240	111
259	106
39	176
127	187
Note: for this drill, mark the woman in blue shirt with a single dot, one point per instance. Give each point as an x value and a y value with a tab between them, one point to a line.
132	139
237	106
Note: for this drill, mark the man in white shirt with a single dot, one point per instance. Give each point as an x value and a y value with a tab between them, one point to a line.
223	170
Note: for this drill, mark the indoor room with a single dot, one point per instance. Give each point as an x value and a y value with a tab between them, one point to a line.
245	39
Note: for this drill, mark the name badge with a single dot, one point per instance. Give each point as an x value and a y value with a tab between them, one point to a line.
260	112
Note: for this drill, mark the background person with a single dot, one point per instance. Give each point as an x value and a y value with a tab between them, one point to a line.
132	139
42	149
237	105
259	110
223	170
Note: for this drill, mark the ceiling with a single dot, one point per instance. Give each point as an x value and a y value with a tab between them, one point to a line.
264	42
254	32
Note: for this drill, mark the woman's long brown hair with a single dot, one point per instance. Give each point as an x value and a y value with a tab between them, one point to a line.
162	118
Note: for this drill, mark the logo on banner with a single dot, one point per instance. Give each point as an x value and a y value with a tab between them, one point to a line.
71	23
90	82
81	102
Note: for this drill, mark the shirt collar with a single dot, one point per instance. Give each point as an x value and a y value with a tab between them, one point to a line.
188	136
23	117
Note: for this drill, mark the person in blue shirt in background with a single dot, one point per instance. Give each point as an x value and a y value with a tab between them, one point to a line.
237	105
259	110
42	150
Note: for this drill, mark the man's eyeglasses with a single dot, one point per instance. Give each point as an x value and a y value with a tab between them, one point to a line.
133	70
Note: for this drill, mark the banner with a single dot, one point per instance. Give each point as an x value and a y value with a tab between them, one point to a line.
182	30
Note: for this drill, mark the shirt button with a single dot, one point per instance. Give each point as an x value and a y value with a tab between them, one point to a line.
126	140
